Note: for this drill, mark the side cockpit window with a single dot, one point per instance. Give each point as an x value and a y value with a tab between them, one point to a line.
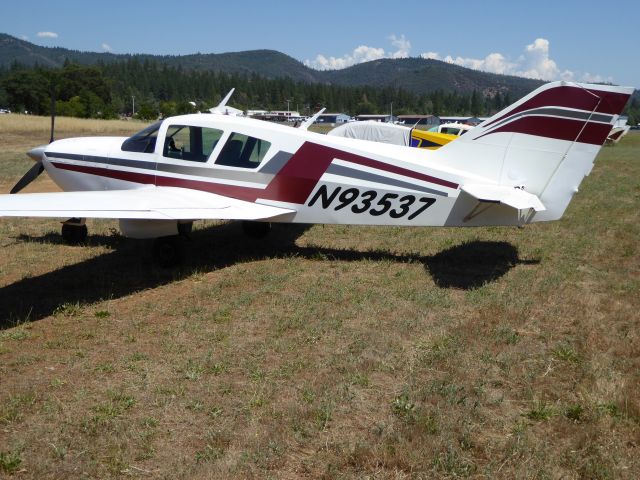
243	151
191	143
144	141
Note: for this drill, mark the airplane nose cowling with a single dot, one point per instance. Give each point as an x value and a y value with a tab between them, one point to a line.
37	153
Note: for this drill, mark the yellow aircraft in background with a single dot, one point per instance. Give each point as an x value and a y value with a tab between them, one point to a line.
438	136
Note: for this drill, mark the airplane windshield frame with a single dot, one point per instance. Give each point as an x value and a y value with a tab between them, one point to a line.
144	141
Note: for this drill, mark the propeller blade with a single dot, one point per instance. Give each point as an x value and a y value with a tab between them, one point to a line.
28	177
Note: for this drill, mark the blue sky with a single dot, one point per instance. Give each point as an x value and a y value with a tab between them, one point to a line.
574	40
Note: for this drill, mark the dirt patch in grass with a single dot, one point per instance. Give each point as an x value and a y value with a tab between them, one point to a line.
329	351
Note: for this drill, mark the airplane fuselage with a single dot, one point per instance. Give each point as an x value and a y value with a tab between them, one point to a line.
522	165
324	179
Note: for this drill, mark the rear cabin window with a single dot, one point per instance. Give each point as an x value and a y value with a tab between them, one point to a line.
191	143
451	130
144	141
243	151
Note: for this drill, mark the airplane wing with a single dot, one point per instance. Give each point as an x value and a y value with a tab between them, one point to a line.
514	197
151	203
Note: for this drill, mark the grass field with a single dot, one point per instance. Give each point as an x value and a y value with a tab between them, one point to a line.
325	351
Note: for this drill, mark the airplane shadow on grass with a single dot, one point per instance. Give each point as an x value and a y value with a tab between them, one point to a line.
129	267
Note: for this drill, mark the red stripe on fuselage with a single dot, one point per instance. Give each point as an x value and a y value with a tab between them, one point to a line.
134	177
300	175
367	162
293	183
242	193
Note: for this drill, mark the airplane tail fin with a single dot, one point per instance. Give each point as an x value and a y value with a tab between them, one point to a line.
544	144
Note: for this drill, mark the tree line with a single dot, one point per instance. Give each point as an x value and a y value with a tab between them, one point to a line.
158	90
153	89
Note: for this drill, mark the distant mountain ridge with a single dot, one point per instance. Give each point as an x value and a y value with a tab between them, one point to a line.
420	75
416	75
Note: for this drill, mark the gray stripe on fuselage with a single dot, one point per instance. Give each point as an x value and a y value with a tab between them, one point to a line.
208	172
372	177
278	161
75	156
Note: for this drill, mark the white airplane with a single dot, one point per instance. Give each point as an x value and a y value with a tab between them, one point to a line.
522	165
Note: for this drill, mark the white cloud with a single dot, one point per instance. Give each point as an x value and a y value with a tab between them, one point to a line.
361	54
589	78
494	62
497	63
567	76
535	62
106	47
47	35
402	44
431	55
24	37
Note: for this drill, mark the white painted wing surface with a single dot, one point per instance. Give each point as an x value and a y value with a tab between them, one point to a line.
514	197
151	203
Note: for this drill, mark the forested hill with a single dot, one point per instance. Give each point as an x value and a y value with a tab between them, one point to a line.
415	75
419	75
267	63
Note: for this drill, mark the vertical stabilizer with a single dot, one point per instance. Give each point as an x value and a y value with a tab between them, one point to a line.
544	144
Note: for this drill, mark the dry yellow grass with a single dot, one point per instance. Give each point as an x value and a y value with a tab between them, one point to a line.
329	352
35	126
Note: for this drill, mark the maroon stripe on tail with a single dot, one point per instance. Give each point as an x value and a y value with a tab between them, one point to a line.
573	97
559	128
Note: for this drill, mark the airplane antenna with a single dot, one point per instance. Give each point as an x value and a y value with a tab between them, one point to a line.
220	108
310	121
224	101
53	110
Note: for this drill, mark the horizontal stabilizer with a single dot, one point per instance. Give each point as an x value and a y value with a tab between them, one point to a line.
151	203
512	196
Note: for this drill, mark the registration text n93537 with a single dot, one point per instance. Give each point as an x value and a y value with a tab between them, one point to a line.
394	205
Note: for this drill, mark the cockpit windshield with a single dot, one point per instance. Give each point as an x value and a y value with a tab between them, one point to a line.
144	141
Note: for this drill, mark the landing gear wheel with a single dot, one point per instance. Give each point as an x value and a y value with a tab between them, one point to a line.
256	229
168	251
74	234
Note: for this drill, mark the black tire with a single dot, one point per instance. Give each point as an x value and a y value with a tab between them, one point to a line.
168	252
185	229
74	234
256	229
